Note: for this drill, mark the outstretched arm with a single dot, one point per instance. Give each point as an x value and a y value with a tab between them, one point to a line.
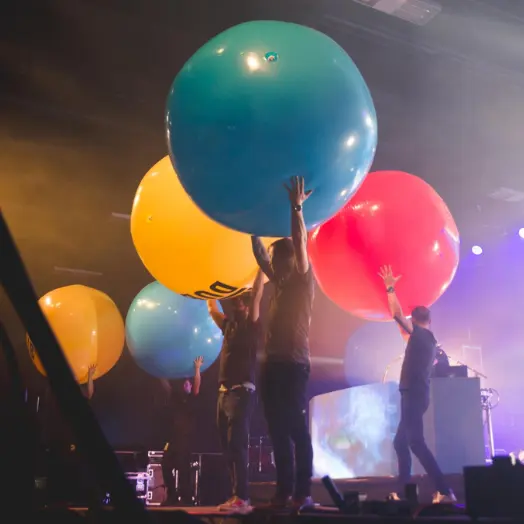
197	379
89	390
262	256
386	273
216	314
256	296
297	197
403	333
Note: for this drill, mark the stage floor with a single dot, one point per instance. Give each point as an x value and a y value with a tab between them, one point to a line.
374	488
371	489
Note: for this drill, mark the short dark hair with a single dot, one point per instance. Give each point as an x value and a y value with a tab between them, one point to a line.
421	314
284	247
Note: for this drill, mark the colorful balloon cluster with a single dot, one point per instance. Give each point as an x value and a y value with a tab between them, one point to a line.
257	104
284	99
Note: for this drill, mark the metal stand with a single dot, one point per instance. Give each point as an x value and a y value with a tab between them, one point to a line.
486	396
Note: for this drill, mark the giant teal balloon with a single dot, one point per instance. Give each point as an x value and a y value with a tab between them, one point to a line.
259	103
165	332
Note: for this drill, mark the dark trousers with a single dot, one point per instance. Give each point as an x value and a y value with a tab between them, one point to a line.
177	458
410	438
233	418
283	391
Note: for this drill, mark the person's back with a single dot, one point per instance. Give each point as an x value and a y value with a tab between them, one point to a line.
239	352
236	386
285	372
287	338
418	360
414	391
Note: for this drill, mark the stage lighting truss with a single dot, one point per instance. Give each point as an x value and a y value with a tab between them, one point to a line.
418	12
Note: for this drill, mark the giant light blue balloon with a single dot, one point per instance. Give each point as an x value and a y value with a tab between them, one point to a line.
259	103
165	332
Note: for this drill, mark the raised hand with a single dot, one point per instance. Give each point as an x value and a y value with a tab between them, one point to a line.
386	274
297	195
198	362
91	370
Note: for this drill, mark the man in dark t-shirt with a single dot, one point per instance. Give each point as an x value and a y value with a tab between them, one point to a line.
236	386
286	367
415	376
181	399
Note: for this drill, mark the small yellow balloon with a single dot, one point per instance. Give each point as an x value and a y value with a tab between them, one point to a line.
183	248
88	326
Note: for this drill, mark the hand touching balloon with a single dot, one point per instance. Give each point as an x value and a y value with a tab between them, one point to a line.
297	195
386	274
91	370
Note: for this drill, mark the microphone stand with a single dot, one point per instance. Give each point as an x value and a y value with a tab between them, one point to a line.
486	396
477	374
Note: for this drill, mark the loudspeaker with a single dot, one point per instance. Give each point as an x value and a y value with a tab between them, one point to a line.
495	491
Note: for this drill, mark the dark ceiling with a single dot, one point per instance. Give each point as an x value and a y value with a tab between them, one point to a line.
83	85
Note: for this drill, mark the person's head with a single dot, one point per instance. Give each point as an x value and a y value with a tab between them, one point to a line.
421	317
240	306
188	386
282	257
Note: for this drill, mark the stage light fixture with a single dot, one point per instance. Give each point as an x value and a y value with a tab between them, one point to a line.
476	250
521	232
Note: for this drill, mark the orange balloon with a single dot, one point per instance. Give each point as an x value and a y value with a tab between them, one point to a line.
88	326
183	248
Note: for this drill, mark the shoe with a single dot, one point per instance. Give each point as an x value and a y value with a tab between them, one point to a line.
441	498
235	504
393	496
302	503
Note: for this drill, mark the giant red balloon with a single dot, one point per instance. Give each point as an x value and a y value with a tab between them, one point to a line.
394	219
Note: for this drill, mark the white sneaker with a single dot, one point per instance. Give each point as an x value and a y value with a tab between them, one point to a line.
440	498
235	504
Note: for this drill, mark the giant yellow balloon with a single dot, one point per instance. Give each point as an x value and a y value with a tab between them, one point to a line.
88	326
181	247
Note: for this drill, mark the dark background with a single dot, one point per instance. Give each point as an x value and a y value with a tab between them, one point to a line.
82	91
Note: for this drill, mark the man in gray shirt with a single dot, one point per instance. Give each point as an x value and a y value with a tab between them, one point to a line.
285	371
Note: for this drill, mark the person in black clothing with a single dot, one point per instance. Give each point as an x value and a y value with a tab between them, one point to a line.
242	333
177	452
286	367
415	375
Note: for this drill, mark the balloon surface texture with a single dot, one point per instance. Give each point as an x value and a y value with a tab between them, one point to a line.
259	103
181	247
394	219
88	326
165	332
